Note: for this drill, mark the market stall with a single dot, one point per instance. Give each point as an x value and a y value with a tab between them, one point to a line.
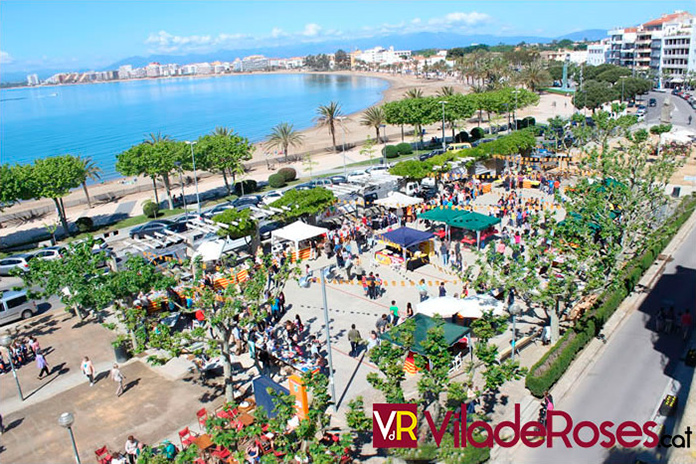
453	335
480	224
443	214
405	246
460	309
402	203
297	233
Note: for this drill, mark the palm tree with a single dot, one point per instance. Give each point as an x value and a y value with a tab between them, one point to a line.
414	93
374	117
91	171
283	136
446	91
328	115
157	138
534	75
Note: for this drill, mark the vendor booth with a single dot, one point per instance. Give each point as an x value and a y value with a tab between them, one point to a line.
477	223
298	233
405	246
455	338
460	310
402	203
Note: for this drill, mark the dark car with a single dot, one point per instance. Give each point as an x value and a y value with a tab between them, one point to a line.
338	179
631	104
266	228
221	208
425	156
149	228
305	186
252	200
652	102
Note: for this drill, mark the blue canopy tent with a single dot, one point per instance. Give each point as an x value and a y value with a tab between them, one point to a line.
261	385
404	238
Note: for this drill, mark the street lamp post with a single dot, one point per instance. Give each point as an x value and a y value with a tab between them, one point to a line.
443	103
328	339
66	420
181	181
195	177
514	310
345	169
6	341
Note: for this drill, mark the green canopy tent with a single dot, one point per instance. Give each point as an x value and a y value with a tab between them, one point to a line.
453	332
445	214
476	222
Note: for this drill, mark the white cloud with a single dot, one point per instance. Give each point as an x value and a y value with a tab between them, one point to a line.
5	58
165	42
311	30
416	21
461	19
277	32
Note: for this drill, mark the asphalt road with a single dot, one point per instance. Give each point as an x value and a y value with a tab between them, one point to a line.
680	112
628	380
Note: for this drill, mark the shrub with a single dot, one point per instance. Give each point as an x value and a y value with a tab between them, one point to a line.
150	209
288	173
276	180
390	151
404	148
250	186
84	224
530	121
477	133
660	129
463	136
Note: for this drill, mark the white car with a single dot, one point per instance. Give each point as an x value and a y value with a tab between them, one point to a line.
50	253
357	176
270	197
382	169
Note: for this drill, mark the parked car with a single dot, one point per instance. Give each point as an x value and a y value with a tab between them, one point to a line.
425	156
270	197
357	176
265	228
338	179
320	182
222	207
381	169
50	253
20	261
652	102
98	244
305	186
252	200
15	305
149	228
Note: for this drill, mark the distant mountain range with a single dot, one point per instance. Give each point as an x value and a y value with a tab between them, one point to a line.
414	41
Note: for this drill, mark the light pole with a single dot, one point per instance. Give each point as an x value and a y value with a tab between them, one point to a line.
6	341
514	310
195	177
345	170
328	338
66	420
443	103
384	133
181	181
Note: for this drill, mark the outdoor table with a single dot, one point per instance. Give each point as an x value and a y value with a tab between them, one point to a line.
203	442
251	404
388	258
246	419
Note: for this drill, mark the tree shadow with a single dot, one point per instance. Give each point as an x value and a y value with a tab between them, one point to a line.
58	370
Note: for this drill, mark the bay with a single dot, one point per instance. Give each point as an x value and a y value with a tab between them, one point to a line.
102	120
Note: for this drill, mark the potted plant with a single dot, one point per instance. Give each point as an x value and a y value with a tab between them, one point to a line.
121	348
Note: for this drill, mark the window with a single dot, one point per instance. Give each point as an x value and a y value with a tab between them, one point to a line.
13	303
9	262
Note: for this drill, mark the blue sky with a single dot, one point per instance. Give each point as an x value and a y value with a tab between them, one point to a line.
78	34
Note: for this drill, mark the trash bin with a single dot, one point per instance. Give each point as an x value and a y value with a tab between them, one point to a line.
121	353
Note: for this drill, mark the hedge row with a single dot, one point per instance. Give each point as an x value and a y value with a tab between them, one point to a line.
546	372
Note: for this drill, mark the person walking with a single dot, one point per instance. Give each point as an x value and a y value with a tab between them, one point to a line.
689	119
354	339
42	365
442	290
117	377
394	309
131	449
422	290
88	370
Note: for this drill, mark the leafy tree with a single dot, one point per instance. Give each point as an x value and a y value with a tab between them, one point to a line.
535	76
368	148
328	115
413	93
593	94
284	136
135	162
389	359
92	172
13	184
239	223
53	178
341	59
412	169
374	117
77	279
356	418
224	151
305	202
446	91
438	358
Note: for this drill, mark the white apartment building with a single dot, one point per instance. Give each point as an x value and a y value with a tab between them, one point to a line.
678	53
153	70
124	72
597	53
380	55
33	79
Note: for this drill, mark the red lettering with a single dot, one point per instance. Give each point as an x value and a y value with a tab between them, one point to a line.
628	429
456	434
647	429
604	429
595	434
530	430
488	442
438	434
515	426
563	434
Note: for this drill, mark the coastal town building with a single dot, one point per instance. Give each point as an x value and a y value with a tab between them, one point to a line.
597	53
381	55
33	79
575	56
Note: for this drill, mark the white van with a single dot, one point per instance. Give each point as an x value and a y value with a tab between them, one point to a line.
15	305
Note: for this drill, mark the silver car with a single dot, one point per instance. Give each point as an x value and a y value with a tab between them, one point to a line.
50	253
21	262
15	305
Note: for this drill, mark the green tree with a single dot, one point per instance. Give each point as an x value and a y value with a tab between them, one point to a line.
435	366
446	91
374	117
305	202
135	162
328	116
341	60
92	172
389	359
414	93
238	223
13	184
593	94
224	151
284	136
53	178
535	76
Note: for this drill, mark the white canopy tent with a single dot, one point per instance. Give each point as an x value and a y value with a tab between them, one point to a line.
210	250
398	200
471	307
297	232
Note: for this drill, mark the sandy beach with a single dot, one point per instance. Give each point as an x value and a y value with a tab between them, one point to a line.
317	142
